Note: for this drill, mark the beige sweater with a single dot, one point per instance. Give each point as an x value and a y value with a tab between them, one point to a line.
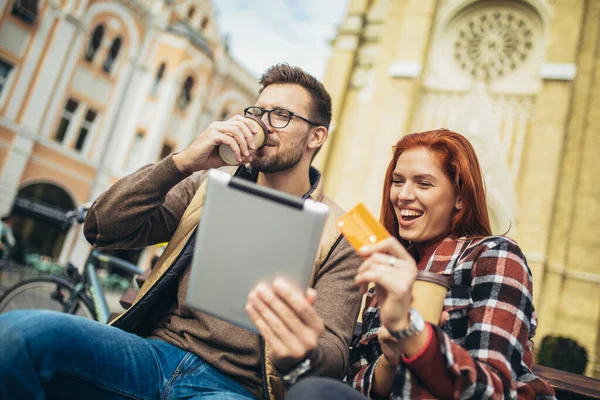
145	207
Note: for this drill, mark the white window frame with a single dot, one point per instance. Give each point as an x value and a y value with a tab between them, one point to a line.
71	116
91	127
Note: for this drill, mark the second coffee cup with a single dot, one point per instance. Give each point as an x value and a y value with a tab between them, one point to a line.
260	138
429	292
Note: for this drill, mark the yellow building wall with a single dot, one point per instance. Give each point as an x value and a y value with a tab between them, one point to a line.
6	138
571	300
558	185
48	165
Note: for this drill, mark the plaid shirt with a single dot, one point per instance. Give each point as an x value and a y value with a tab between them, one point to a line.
486	342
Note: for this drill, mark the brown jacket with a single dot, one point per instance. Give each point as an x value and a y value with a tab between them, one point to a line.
158	203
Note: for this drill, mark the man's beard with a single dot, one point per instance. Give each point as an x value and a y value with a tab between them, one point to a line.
280	161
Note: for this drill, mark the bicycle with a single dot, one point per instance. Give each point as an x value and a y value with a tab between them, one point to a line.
74	293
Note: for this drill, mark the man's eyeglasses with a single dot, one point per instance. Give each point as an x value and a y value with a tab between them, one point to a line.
278	117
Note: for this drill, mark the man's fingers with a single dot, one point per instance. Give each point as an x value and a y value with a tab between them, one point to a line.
311	296
250	124
248	134
297	302
264	328
280	309
233	129
232	143
283	340
236	132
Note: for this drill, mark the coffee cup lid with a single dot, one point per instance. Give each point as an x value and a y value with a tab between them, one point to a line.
433	278
258	121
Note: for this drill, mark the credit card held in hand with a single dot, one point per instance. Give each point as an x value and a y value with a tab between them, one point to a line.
361	228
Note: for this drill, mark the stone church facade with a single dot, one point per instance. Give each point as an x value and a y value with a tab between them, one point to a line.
517	78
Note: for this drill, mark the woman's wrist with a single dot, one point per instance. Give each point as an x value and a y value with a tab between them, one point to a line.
419	345
416	345
383	378
388	364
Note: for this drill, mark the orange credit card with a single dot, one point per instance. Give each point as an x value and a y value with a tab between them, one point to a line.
361	228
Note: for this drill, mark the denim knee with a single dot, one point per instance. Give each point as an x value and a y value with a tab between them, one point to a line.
19	327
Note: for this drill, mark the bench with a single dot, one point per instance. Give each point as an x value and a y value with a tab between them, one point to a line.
568	386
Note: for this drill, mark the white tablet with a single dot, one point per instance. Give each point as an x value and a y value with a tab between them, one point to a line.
249	233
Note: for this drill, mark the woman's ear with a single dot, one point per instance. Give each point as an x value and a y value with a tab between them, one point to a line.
458	205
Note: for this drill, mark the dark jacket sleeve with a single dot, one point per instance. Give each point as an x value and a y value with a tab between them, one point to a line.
338	303
141	209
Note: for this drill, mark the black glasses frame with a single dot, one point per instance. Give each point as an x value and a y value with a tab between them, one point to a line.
292	114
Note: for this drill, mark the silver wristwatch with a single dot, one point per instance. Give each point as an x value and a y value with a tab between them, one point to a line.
291	377
415	327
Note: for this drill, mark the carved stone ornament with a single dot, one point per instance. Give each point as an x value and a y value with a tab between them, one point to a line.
493	43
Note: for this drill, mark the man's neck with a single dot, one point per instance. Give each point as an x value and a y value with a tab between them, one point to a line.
294	181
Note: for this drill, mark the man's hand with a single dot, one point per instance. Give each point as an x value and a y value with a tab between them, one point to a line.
202	154
287	320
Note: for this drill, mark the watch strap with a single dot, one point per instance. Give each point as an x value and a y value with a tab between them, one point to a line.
416	326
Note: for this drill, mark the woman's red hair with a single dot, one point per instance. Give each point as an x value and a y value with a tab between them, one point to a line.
457	158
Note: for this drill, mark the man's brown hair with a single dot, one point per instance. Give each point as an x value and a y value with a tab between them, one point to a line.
320	109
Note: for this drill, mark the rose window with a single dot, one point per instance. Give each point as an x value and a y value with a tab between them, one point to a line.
492	44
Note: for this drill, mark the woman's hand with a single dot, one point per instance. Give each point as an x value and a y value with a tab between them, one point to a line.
391	347
393	271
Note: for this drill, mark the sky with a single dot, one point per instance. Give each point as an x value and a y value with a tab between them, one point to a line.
264	32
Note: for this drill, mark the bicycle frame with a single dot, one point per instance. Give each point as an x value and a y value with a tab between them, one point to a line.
90	280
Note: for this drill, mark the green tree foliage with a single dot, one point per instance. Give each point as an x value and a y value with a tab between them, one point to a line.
563	353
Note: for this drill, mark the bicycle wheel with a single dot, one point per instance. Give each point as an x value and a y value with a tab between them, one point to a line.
46	293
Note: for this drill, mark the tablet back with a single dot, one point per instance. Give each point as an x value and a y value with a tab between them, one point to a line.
249	233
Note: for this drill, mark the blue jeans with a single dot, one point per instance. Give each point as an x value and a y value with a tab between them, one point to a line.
63	356
319	388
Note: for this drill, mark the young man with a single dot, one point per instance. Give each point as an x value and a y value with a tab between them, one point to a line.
159	348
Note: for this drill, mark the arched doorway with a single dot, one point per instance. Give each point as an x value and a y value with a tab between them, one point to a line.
39	224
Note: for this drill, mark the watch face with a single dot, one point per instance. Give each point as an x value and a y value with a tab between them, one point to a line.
417	324
417	320
295	373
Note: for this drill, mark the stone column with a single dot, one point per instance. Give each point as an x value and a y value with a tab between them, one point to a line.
339	70
158	127
377	115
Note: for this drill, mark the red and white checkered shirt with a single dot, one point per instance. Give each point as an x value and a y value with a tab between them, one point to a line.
483	351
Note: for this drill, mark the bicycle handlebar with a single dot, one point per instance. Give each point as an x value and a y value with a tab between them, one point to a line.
78	214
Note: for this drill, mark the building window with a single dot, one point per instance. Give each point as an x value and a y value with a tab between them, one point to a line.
112	55
5	69
165	151
86	127
25	10
66	119
224	114
204	24
185	96
191	12
94	43
159	75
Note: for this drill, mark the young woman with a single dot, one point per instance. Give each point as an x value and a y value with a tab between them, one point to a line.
434	204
